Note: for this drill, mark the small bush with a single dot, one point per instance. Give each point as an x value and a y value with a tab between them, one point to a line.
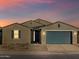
21	45
11	46
5	45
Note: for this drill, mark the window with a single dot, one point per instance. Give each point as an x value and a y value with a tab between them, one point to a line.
16	34
58	25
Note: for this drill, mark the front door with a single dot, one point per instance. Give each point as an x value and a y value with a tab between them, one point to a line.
36	36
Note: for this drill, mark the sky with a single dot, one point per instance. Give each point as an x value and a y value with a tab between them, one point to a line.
12	11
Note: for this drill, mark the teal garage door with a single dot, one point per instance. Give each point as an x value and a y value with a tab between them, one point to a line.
58	37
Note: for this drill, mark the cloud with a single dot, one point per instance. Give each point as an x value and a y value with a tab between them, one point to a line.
48	15
10	3
65	5
40	1
13	3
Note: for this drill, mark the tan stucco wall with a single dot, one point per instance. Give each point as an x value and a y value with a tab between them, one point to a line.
43	38
74	37
7	35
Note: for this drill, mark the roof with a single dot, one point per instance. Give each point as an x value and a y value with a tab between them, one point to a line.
68	24
32	24
62	23
15	24
27	21
36	23
41	21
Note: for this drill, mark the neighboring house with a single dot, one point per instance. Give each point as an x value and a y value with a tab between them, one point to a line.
0	36
16	34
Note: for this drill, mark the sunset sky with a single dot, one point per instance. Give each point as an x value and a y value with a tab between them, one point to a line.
52	10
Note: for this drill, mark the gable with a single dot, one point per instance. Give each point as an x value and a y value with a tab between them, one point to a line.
41	21
60	26
27	23
31	24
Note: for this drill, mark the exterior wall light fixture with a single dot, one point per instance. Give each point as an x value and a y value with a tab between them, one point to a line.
44	33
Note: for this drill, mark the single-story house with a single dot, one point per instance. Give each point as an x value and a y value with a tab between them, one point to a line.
39	32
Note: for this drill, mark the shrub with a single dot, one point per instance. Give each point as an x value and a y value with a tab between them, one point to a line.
21	45
11	46
5	45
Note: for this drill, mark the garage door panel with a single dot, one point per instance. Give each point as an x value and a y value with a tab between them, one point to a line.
58	37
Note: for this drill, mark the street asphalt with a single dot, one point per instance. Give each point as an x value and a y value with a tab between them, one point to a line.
51	56
38	55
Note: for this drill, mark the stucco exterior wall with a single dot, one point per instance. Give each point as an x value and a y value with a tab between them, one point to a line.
43	37
62	27
74	41
7	35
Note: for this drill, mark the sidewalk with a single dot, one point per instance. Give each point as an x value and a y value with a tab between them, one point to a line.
34	53
53	49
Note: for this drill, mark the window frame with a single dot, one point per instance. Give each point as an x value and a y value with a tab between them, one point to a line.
16	34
